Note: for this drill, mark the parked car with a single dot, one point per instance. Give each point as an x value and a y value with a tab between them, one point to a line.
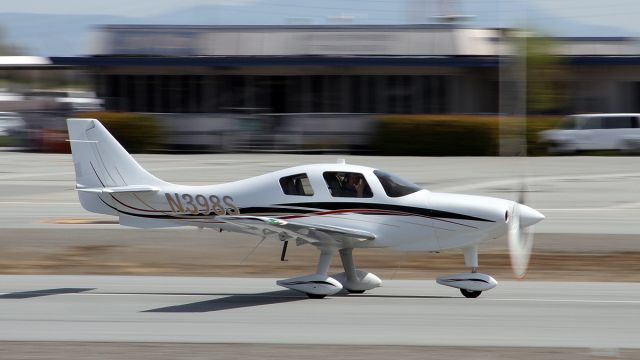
10	123
585	132
73	100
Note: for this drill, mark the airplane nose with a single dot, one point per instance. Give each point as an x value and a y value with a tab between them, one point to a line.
529	216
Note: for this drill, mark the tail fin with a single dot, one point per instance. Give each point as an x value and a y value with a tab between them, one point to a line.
101	162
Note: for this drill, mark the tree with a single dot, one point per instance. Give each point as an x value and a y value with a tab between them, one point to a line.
545	74
7	49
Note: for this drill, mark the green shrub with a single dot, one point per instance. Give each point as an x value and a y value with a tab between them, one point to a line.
436	135
536	124
450	135
136	132
7	141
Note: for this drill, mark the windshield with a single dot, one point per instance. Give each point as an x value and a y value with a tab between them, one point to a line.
568	123
395	186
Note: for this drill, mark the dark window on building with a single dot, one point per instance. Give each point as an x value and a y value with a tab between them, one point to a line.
333	94
112	92
317	93
295	94
238	93
224	92
164	83
296	185
356	94
635	96
347	184
278	88
209	94
150	94
395	186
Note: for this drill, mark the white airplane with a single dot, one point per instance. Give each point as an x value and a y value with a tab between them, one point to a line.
335	207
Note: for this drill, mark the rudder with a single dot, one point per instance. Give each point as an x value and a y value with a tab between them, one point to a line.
100	161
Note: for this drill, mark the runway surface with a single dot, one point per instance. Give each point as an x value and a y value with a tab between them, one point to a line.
592	205
232	310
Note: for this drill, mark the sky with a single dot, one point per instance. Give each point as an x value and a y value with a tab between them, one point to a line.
135	8
63	35
619	13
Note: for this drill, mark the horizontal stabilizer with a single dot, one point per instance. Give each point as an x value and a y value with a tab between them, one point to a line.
121	189
146	223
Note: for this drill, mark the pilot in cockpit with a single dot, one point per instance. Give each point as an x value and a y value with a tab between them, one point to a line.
353	186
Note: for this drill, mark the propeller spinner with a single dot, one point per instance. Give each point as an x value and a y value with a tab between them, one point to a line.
520	235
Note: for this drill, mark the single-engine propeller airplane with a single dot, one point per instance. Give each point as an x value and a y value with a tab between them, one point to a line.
335	207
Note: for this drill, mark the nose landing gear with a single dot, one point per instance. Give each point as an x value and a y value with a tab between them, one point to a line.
473	283
471	294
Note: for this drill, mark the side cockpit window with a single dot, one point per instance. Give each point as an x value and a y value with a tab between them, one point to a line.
347	184
296	185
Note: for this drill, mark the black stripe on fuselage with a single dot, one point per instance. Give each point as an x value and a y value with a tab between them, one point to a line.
377	206
272	210
303	208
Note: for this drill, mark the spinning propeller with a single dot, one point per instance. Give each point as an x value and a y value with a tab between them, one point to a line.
520	222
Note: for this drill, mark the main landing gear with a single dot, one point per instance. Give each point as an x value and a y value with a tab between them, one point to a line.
319	285
473	283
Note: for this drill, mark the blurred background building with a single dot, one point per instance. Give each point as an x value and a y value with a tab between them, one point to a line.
278	87
349	69
407	69
296	69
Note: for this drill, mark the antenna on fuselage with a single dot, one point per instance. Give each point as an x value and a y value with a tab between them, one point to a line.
342	161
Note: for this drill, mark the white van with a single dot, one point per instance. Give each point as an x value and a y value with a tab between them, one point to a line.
584	132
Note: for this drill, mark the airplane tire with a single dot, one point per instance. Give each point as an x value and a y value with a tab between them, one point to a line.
315	296
356	291
470	293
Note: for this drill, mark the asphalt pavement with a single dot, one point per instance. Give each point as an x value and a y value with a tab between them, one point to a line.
591	203
232	310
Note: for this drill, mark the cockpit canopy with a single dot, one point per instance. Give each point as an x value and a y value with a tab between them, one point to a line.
395	186
348	184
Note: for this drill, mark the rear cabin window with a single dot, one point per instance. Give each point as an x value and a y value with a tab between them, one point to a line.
347	184
395	186
618	122
296	185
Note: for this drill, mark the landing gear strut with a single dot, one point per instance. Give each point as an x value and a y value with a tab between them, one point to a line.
353	280
317	285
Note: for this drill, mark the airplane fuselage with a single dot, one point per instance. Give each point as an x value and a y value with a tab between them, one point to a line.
420	221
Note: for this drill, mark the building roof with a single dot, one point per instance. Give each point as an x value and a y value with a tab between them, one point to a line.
334	40
410	40
235	61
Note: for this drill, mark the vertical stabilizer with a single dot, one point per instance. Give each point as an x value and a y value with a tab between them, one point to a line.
100	161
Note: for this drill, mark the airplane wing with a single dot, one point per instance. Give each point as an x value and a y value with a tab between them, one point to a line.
120	189
301	233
